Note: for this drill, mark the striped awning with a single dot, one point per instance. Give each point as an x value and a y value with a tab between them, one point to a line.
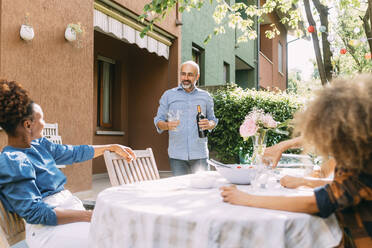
127	30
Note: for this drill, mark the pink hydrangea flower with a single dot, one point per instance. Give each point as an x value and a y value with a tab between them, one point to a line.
268	121
257	121
248	128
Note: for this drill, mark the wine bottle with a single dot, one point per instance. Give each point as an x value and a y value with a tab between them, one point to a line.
199	117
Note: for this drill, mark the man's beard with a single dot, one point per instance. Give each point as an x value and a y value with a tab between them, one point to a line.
188	86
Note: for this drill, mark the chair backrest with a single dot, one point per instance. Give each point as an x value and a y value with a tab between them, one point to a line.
141	169
55	139
50	129
12	228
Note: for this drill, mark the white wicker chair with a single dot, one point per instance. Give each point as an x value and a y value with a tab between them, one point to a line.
50	132
50	129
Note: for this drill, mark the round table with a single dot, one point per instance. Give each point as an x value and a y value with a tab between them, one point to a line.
170	213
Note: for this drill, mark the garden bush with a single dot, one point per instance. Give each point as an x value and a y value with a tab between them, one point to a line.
232	104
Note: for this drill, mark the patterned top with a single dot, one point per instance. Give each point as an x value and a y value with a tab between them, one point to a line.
350	196
184	143
29	175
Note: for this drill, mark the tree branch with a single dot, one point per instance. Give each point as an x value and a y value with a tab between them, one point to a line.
366	25
351	50
315	39
327	53
370	13
367	29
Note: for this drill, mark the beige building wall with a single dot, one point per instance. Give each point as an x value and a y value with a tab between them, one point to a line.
57	74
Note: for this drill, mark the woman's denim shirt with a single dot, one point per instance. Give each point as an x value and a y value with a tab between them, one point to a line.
29	175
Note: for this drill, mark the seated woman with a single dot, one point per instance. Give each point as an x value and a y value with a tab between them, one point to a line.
337	123
30	183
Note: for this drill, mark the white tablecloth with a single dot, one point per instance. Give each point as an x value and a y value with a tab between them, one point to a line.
169	213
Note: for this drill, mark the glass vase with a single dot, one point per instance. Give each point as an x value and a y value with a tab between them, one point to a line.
263	173
259	146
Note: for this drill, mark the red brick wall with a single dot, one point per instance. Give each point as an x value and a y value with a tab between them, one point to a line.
269	47
169	24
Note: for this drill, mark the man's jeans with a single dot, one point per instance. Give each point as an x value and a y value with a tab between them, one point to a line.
183	167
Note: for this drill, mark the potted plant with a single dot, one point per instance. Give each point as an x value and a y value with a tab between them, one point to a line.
27	31
74	32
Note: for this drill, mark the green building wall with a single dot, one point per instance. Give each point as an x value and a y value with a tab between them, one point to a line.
197	25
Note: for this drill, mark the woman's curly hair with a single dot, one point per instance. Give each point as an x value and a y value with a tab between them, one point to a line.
338	122
15	106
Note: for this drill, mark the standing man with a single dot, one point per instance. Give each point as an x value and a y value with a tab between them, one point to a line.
187	152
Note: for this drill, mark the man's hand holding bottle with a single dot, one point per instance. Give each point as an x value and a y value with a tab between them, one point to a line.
206	124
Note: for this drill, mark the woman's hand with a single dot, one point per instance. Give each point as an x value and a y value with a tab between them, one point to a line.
125	152
121	150
295	182
305	204
65	216
234	196
273	154
292	182
87	215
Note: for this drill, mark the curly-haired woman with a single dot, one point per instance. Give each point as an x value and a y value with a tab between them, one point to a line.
338	123
30	183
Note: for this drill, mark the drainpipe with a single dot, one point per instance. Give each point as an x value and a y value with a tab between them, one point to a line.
258	51
286	65
178	21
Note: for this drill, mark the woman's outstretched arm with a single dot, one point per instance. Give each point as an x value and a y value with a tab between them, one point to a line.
123	151
303	204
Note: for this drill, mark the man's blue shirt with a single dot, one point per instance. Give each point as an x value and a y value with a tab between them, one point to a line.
29	175
185	143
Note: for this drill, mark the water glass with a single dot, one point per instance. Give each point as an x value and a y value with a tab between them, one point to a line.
265	178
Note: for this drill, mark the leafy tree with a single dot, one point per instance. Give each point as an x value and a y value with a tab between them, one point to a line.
349	29
351	15
243	15
240	15
349	18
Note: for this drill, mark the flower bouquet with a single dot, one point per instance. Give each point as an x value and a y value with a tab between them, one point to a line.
256	125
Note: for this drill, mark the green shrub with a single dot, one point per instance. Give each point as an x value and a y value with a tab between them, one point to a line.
232	104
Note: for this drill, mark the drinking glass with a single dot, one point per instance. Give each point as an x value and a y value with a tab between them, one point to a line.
266	177
174	115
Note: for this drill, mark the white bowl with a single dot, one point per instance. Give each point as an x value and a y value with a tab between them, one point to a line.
238	174
202	181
